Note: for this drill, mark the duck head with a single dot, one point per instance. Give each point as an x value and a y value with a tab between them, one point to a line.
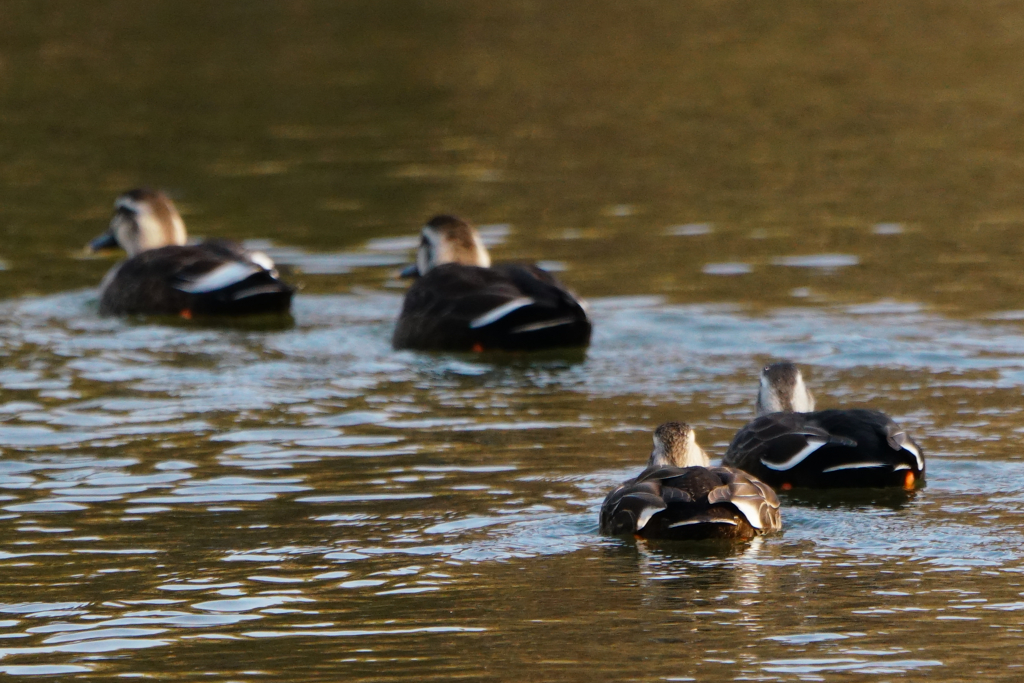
143	219
676	445
783	390
448	239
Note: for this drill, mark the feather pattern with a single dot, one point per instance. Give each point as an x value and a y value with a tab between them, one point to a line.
223	275
826	449
459	307
543	325
500	312
859	465
165	276
792	461
691	503
212	278
460	302
704	519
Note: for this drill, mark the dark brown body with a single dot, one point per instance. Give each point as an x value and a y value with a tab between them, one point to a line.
440	307
148	284
691	503
860	449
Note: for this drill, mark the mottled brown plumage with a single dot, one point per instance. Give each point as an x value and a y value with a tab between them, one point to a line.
678	497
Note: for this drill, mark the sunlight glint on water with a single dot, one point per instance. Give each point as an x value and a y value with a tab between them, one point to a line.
348	493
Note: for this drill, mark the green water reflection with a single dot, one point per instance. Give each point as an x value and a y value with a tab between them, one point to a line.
792	129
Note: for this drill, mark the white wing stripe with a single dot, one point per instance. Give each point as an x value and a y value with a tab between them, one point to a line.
255	291
856	466
533	327
500	312
220	277
749	509
917	454
261	260
797	458
687	522
645	516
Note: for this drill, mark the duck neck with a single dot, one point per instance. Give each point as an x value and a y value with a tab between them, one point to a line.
688	455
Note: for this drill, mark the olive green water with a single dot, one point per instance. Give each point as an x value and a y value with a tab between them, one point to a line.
726	182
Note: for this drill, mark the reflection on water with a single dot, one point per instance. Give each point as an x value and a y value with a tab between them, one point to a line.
171	485
726	183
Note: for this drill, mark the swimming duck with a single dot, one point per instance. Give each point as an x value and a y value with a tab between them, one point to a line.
164	276
790	445
679	496
460	302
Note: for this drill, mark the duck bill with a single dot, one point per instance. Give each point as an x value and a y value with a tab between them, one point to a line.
410	271
104	241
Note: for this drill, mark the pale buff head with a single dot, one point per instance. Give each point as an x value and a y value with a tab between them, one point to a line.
447	239
143	219
676	445
782	389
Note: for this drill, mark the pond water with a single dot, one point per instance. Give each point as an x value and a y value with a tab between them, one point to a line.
726	183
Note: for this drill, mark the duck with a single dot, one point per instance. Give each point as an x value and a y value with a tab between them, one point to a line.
789	444
679	496
165	276
459	301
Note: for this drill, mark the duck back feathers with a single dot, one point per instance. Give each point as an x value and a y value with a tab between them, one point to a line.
679	497
509	307
691	503
789	445
165	276
827	449
212	278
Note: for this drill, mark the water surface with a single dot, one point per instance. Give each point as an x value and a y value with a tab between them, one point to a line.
726	183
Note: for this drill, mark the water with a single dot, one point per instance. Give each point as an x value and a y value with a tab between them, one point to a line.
726	184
